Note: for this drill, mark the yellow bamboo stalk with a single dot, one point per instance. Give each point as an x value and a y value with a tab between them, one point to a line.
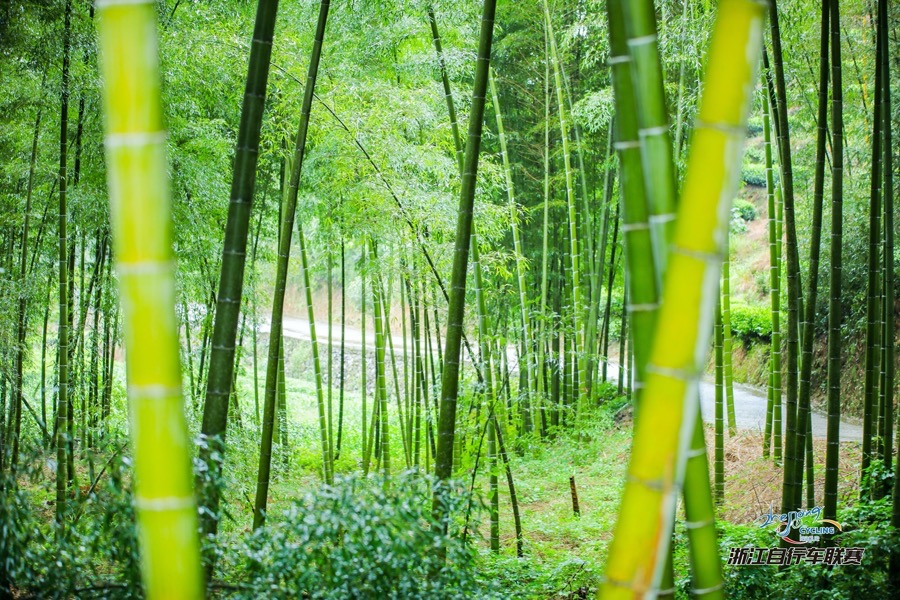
670	401
141	225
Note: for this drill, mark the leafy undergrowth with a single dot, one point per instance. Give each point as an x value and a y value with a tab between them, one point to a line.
377	537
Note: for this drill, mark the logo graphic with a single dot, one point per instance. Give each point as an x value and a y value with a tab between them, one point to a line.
810	527
805	521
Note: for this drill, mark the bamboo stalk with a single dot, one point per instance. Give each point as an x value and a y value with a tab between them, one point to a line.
140	216
727	345
832	448
284	250
804	416
665	429
574	254
450	371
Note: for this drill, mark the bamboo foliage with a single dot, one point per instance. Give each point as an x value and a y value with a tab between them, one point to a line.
664	430
140	215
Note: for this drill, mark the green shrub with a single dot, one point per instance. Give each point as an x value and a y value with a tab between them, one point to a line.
751	323
754	126
364	538
755	174
744	210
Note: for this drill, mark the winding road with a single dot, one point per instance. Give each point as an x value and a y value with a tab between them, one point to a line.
749	401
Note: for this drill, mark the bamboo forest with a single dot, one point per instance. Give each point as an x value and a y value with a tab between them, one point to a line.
395	299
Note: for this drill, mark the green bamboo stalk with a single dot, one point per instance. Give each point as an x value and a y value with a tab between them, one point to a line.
720	405
22	304
380	317
804	416
873	296
366	442
665	429
832	451
653	123
774	280
329	362
642	282
493	494
727	347
607	313
599	263
390	349
777	396
231	281
450	372
62	360
794	292
888	334
140	215
448	95
284	251
343	348
574	254
541	341
489	391
521	268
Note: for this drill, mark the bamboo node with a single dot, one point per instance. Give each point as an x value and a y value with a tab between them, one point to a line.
101	4
145	267
163	504
153	392
651	131
134	138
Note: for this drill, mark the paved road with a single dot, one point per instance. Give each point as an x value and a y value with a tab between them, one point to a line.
749	401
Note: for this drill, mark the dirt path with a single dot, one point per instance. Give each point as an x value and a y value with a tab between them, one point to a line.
749	401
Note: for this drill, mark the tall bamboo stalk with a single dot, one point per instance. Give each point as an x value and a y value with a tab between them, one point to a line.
719	406
642	283
804	414
665	428
284	251
22	304
888	347
832	451
727	346
380	317
62	360
774	281
450	375
794	293
231	280
140	216
873	293
653	123
574	253
525	359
